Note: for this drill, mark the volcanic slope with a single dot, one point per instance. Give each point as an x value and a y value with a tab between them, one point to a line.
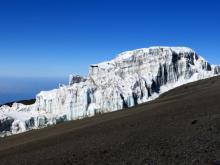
180	127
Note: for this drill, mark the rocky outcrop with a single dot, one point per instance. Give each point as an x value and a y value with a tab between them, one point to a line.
73	79
133	77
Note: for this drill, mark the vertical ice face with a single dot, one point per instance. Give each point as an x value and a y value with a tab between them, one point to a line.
133	77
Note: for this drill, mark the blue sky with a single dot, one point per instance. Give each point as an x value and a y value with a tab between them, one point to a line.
43	41
19	88
52	38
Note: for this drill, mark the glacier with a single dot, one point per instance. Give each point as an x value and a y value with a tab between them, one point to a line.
132	78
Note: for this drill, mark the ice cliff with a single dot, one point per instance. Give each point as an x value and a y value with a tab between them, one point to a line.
133	77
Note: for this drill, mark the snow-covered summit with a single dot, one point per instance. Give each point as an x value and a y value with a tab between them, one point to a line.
128	54
133	77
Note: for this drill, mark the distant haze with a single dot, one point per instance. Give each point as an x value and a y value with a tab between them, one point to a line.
14	89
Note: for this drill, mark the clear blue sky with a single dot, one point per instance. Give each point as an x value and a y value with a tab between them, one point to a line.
52	38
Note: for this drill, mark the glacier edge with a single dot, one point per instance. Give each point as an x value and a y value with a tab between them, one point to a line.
133	77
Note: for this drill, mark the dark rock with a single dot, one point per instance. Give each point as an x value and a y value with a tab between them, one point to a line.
194	122
76	79
216	162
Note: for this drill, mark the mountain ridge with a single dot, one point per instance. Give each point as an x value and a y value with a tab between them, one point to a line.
133	77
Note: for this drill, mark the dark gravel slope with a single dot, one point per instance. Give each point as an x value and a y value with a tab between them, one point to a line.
181	127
